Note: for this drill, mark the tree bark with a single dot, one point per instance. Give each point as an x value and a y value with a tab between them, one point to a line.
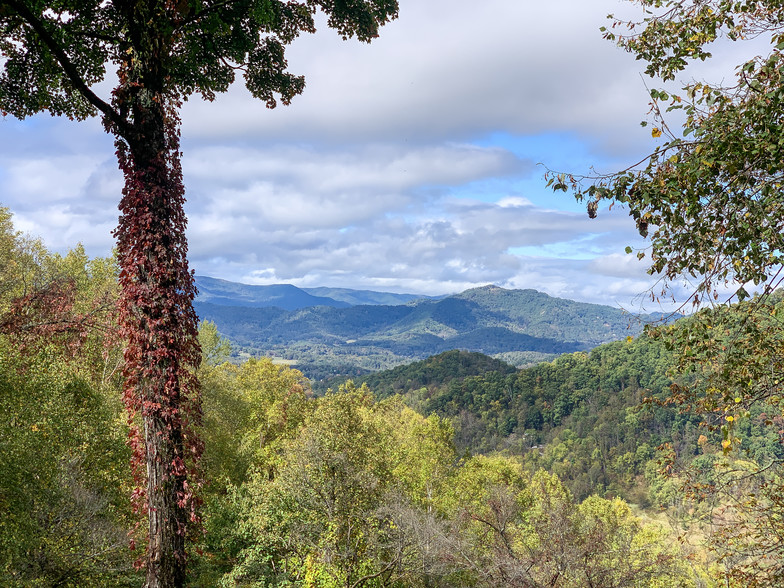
160	325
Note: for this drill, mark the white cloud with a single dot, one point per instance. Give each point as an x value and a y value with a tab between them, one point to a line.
448	69
388	172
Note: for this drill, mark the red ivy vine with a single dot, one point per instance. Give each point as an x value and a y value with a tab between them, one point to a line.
157	320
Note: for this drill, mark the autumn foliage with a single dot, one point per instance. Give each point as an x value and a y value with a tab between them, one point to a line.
158	322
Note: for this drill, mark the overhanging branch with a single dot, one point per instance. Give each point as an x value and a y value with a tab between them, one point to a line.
65	62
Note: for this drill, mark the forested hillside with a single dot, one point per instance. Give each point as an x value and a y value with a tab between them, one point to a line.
593	418
581	415
459	471
518	326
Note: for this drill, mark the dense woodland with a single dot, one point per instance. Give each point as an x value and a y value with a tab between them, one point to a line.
459	471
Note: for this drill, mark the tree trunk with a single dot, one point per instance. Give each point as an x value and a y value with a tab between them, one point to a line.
166	551
160	325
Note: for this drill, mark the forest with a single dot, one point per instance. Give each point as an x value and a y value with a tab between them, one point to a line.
454	471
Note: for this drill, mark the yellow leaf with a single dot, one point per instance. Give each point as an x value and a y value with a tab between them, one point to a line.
656	132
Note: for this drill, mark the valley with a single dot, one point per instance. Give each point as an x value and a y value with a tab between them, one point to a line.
328	336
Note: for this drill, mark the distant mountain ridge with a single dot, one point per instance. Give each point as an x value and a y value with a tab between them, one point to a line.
357	297
288	297
326	337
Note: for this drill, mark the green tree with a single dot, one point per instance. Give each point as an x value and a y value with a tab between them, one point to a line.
214	348
709	199
251	412
53	55
63	475
356	498
63	479
313	520
251	409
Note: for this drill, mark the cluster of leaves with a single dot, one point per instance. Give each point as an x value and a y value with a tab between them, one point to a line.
709	197
54	54
734	363
437	370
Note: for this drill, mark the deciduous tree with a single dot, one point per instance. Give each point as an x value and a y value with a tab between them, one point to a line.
53	55
65	513
709	199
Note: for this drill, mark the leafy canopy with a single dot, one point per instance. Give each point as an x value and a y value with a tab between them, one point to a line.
709	197
55	52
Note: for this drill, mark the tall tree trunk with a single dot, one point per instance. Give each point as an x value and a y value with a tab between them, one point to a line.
156	292
160	325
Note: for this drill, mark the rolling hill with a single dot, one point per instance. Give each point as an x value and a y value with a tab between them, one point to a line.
327	337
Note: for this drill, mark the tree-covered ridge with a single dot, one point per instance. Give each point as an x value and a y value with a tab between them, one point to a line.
285	296
595	419
541	315
585	407
521	326
435	371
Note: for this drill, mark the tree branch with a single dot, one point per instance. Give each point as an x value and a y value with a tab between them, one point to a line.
205	12
383	570
69	68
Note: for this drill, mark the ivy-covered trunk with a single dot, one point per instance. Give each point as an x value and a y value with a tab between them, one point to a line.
160	326
52	57
156	293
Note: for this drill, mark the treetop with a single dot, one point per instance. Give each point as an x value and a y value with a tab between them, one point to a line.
55	52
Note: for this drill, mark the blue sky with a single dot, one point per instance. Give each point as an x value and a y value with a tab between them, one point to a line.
413	164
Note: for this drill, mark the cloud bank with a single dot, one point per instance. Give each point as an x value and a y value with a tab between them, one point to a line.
409	164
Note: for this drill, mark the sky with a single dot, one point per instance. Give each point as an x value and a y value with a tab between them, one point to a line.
412	164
